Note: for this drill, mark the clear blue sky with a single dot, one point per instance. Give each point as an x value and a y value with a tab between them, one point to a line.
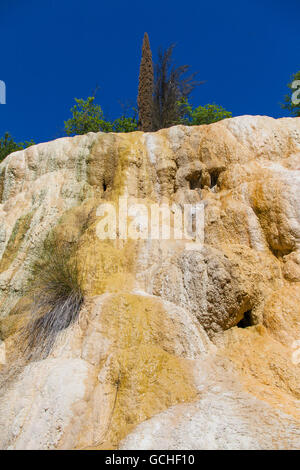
55	50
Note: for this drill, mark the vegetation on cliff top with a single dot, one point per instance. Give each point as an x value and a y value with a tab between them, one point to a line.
8	145
163	93
292	100
163	101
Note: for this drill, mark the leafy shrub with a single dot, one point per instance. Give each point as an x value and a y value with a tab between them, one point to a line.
8	145
125	124
288	104
87	116
202	114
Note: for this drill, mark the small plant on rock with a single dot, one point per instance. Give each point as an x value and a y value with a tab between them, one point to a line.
56	299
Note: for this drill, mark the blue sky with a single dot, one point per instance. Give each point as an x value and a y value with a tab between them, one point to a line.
55	50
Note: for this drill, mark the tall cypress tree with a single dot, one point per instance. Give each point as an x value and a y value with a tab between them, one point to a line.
145	98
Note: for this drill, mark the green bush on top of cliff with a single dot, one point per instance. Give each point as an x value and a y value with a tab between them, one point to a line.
87	116
202	114
292	100
8	145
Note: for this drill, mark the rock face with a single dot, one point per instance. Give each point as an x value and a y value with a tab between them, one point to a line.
178	344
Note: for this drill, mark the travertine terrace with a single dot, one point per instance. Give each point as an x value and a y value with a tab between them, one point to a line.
174	348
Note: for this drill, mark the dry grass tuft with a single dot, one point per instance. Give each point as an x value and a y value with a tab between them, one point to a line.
56	300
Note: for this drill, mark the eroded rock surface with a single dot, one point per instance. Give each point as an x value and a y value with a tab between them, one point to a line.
176	345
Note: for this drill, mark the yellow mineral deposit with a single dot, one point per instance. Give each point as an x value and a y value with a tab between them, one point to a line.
176	345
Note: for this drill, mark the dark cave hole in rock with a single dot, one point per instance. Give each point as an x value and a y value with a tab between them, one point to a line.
214	175
195	180
104	186
282	252
246	321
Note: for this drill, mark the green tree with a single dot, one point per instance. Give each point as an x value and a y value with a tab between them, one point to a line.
8	145
87	116
202	114
292	100
125	124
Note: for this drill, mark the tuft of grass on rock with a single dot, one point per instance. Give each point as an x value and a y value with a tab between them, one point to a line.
56	299
52	305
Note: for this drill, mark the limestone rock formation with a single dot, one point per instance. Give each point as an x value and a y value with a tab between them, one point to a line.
177	344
